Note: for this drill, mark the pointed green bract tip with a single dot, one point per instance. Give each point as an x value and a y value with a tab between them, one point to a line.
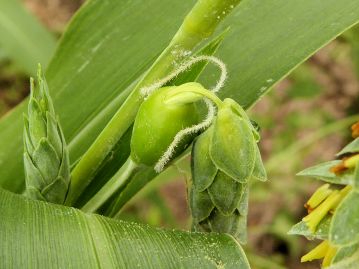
39	71
40	92
40	76
32	88
45	147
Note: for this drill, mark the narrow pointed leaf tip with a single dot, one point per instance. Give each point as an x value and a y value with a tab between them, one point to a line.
46	161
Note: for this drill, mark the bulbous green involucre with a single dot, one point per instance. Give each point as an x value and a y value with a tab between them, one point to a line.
224	158
46	161
156	125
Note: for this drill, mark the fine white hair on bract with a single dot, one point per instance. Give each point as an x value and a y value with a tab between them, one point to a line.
146	91
166	157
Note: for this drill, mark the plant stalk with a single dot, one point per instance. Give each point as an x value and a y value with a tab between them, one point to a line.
198	25
122	176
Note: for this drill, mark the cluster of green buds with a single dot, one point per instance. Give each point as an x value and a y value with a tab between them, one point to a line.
46	160
224	158
166	123
330	208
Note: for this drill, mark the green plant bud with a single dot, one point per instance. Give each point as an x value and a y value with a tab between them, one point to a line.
220	204
234	224
201	204
242	114
156	125
233	147
224	158
46	161
225	193
203	169
208	217
351	148
243	202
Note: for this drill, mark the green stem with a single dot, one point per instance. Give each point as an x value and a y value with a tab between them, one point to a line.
117	181
198	25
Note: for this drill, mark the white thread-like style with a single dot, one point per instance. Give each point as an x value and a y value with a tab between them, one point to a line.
146	91
166	157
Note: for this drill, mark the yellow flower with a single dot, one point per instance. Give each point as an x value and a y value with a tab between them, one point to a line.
324	251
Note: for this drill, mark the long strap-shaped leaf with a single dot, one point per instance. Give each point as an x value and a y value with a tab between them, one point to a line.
23	38
40	235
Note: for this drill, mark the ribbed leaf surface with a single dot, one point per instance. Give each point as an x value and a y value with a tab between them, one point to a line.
41	235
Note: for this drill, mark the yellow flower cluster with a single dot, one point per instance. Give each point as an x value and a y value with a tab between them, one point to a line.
324	201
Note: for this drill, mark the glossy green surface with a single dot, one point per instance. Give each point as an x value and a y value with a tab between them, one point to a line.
157	124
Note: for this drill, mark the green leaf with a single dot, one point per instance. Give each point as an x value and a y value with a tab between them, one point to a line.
322	172
304	83
136	183
196	70
321	232
39	235
352	147
23	38
347	263
98	59
345	252
255	53
356	177
233	147
344	229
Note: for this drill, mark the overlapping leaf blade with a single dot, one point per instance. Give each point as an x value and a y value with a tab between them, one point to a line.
110	44
344	229
41	235
322	172
94	64
322	231
23	38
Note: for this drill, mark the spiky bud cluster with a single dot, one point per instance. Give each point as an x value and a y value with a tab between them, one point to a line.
224	158
46	160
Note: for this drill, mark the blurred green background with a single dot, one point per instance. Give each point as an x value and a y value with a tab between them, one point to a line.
304	120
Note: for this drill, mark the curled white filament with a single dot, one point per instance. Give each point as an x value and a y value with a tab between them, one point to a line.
146	91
